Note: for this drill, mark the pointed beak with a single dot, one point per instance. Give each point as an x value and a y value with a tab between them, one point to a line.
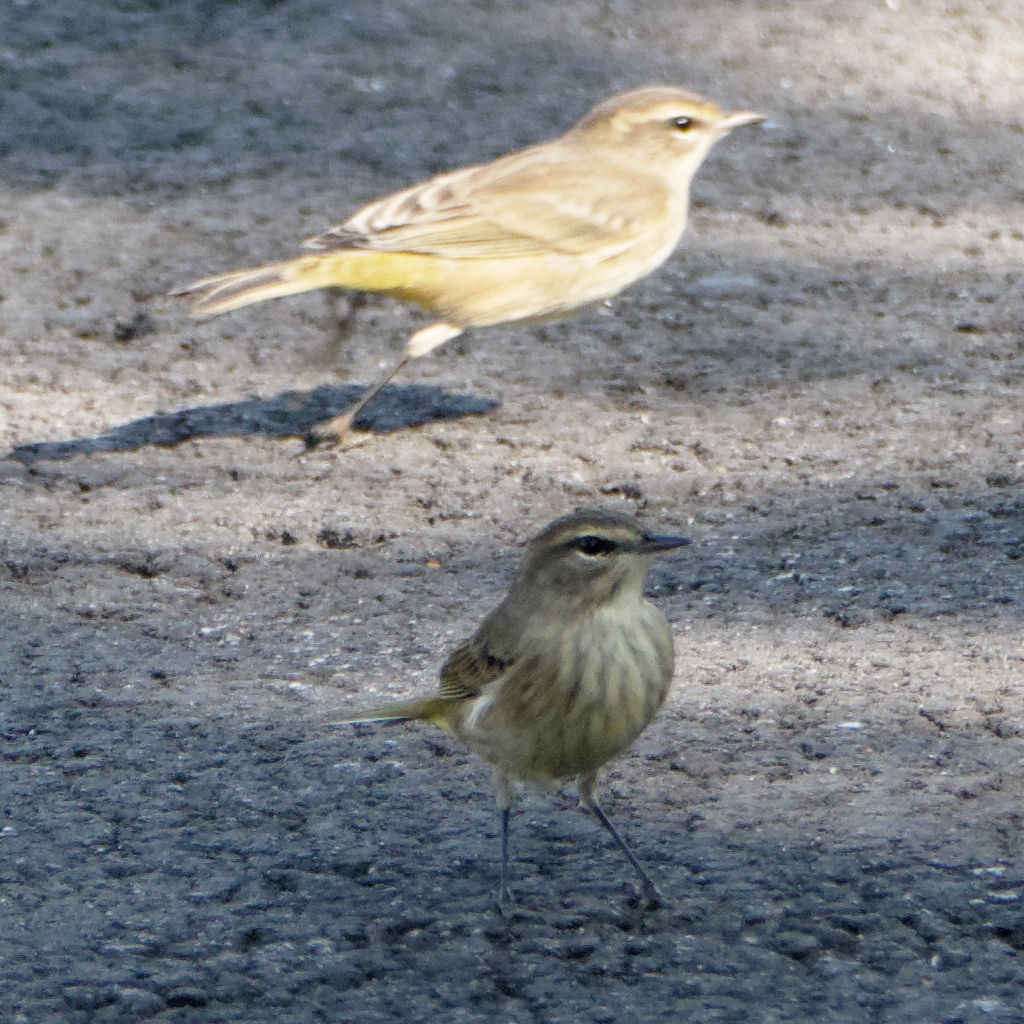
739	119
652	545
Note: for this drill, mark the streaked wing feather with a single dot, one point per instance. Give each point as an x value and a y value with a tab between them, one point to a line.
522	207
469	669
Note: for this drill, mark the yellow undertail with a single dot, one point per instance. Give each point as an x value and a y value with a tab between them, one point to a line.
434	710
409	276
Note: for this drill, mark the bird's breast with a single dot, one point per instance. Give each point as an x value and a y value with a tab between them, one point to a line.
578	695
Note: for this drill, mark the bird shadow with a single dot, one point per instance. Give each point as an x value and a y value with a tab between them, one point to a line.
288	414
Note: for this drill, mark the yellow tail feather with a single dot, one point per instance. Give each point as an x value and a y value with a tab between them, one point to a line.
406	275
434	710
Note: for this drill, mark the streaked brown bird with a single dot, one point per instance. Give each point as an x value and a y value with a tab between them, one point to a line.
534	235
565	673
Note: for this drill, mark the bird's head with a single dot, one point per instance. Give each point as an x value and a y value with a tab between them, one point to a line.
590	557
661	125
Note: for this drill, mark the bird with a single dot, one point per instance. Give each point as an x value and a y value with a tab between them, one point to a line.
535	235
564	674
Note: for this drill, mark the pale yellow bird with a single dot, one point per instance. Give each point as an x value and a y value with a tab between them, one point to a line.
566	672
534	235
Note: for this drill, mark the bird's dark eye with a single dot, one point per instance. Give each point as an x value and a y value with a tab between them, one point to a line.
684	124
593	546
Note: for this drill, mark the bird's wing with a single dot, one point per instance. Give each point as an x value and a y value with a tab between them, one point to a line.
523	205
470	668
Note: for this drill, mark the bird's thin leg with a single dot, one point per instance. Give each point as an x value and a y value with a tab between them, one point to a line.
344	307
333	431
588	798
504	797
504	896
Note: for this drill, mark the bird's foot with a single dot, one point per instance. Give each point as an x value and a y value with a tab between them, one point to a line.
506	902
329	433
649	898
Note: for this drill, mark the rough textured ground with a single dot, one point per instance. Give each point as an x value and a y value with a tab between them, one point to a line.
823	389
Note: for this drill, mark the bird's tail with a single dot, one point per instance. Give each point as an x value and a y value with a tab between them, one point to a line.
405	275
434	710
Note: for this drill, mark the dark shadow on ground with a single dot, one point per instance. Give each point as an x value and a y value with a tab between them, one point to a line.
289	414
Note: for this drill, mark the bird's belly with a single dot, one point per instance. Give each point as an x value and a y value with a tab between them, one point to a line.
556	726
484	292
